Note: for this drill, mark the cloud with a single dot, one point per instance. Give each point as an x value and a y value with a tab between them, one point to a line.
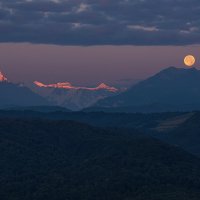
100	22
143	28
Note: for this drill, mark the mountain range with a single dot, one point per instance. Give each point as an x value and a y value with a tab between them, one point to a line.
50	152
172	89
73	97
59	94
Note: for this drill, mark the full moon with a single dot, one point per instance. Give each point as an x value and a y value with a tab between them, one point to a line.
189	60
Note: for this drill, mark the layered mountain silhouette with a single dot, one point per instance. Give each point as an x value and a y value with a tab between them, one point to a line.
169	90
73	97
172	89
18	95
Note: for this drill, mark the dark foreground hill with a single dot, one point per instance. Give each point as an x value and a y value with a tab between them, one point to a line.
187	135
43	109
63	160
100	119
176	128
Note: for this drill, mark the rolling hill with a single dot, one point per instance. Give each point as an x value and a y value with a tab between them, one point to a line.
57	160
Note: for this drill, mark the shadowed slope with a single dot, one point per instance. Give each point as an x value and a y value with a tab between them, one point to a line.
59	160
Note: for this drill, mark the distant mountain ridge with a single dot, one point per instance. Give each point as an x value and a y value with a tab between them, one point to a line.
18	95
177	87
74	97
172	89
67	85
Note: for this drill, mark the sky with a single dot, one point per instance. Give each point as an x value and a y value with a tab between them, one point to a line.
88	42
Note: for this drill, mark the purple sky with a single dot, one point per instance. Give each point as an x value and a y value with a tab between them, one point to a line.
65	40
88	65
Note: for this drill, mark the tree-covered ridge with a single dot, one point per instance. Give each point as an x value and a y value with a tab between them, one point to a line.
59	160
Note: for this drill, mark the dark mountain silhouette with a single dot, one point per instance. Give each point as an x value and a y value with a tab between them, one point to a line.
100	119
57	160
173	89
176	128
18	95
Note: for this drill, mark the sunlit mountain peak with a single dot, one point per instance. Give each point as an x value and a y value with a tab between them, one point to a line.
106	87
67	85
103	85
2	77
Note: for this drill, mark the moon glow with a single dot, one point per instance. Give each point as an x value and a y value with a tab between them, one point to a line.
189	60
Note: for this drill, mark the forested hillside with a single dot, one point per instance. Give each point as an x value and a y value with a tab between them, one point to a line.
59	160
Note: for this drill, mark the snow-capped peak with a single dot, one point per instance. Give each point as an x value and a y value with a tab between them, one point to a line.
103	86
2	77
106	87
67	85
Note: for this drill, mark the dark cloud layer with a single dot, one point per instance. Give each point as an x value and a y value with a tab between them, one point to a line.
98	22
